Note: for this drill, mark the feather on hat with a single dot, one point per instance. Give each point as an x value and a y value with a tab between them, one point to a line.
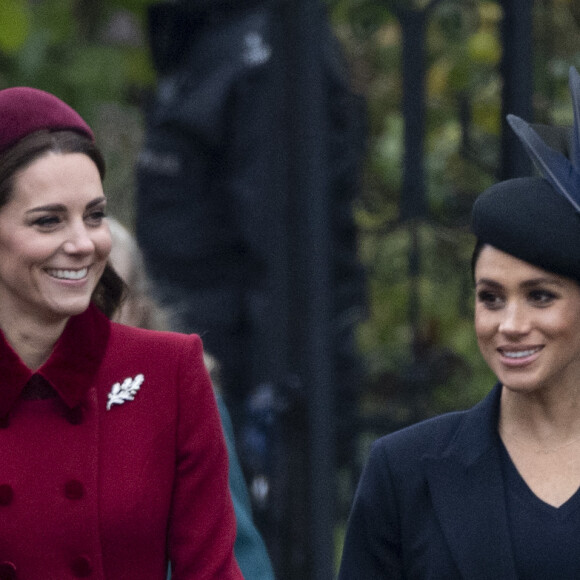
537	219
562	172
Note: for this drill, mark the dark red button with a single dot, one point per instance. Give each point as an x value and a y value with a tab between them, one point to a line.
6	494
74	489
81	567
75	415
7	571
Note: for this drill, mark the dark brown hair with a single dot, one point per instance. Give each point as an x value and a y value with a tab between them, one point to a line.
110	289
475	256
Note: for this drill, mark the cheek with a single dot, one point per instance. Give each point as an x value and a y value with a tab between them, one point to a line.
561	321
25	251
564	329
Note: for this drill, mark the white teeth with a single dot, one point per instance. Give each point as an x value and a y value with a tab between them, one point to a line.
68	274
520	353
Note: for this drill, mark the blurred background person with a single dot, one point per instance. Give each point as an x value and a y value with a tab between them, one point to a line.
220	216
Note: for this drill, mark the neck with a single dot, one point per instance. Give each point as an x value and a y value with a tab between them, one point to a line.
547	422
32	341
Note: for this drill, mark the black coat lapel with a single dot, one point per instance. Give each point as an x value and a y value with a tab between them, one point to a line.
466	485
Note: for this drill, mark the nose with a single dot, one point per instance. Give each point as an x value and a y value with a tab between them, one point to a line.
515	319
79	240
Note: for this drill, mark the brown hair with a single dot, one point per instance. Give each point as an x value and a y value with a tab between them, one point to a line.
110	289
475	256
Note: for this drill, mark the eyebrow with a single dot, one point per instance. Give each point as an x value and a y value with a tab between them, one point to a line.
61	208
532	283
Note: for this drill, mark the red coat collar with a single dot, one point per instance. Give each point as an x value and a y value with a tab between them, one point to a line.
71	366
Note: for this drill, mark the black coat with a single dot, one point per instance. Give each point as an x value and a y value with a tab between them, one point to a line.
431	503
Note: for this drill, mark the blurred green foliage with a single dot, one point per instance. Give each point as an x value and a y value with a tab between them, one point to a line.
420	326
94	55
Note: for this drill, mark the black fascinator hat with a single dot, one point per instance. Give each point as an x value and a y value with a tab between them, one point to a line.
537	219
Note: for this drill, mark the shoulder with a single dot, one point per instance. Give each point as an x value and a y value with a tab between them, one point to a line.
154	339
461	434
394	472
410	444
168	356
427	434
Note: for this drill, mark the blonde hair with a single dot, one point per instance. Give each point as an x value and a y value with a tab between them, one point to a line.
138	307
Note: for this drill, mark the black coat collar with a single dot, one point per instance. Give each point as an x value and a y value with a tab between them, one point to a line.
467	488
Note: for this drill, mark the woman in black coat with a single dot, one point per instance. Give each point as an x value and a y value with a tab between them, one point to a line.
493	492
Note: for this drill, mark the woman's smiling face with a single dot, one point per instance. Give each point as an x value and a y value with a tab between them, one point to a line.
54	240
527	322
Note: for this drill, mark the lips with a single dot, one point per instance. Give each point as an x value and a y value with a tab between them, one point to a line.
518	357
68	274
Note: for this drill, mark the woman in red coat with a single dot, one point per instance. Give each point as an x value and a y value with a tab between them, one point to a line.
113	458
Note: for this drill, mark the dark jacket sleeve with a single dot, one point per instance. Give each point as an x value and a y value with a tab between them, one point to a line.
372	546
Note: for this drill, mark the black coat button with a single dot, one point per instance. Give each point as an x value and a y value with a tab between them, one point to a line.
7	571
6	494
81	567
74	489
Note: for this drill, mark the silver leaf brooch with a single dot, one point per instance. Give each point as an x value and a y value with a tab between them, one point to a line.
125	391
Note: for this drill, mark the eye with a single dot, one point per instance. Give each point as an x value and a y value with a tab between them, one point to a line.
46	221
491	300
541	297
96	217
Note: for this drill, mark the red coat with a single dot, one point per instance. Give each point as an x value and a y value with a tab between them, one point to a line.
100	486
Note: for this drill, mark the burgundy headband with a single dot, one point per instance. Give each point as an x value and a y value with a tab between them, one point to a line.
24	110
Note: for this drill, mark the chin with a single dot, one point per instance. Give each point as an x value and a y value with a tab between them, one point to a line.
522	386
71	308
